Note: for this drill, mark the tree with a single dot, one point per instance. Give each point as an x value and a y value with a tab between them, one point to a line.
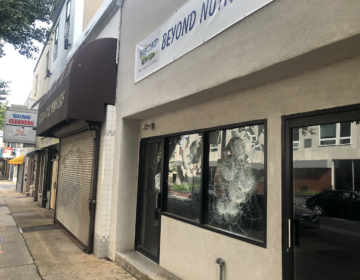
18	27
2	114
4	92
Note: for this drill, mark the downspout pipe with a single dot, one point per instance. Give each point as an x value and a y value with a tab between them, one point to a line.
92	198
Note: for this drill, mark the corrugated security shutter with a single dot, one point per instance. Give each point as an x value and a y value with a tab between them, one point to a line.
75	183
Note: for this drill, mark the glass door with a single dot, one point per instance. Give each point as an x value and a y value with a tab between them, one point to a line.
149	198
322	198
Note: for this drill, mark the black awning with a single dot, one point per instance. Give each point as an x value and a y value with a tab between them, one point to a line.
33	152
86	85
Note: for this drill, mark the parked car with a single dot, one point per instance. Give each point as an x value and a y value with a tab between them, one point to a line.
338	203
303	214
211	194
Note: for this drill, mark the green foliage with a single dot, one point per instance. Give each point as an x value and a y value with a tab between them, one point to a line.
305	130
306	192
303	187
327	188
183	187
2	114
4	90
18	24
1	49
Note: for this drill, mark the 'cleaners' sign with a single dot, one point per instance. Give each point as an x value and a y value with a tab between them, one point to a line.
20	118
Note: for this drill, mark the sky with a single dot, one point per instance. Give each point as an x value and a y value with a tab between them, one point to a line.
18	69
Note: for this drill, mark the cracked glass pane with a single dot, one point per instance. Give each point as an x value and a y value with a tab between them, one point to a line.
235	193
184	176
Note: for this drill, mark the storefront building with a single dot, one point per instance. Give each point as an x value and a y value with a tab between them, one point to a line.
19	166
46	172
22	163
77	111
223	126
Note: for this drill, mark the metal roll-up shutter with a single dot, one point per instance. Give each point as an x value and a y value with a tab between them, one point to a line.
75	183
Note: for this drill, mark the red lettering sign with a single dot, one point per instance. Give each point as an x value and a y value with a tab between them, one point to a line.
23	122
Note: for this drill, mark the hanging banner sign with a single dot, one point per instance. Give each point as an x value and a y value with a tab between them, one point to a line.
7	152
190	26
19	134
20	118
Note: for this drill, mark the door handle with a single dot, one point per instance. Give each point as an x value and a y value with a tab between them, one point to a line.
289	233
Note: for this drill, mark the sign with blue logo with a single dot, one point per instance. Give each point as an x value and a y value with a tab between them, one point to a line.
20	119
189	27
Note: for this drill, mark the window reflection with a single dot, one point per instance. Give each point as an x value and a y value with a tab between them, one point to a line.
184	176
151	174
235	193
326	198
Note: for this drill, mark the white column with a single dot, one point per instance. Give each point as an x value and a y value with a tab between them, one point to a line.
104	185
124	193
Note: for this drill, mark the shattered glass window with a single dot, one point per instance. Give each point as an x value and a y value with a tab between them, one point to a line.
184	176
235	191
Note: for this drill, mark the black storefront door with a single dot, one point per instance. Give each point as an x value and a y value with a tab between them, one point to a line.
321	202
149	198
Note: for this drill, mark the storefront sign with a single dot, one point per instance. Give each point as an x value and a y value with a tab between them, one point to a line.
7	152
56	104
19	134
20	118
85	87
190	26
45	142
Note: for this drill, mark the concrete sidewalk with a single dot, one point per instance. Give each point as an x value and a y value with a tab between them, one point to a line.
15	259
43	251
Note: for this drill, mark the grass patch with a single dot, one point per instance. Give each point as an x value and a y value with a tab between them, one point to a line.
306	192
183	187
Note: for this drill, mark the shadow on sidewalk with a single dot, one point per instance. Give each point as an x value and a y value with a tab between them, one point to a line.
56	256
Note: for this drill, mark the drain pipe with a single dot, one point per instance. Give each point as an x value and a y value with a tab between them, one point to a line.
221	263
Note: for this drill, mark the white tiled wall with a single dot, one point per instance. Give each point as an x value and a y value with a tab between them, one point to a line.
104	186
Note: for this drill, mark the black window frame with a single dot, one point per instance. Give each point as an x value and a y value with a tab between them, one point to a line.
47	63
67	19
311	118
204	178
36	84
337	137
56	40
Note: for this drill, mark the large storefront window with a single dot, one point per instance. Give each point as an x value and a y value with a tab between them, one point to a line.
235	192
216	179
184	176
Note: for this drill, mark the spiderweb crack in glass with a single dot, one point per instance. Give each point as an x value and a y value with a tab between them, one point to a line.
236	173
235	207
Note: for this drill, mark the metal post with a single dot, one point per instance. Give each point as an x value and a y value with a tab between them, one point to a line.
221	264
